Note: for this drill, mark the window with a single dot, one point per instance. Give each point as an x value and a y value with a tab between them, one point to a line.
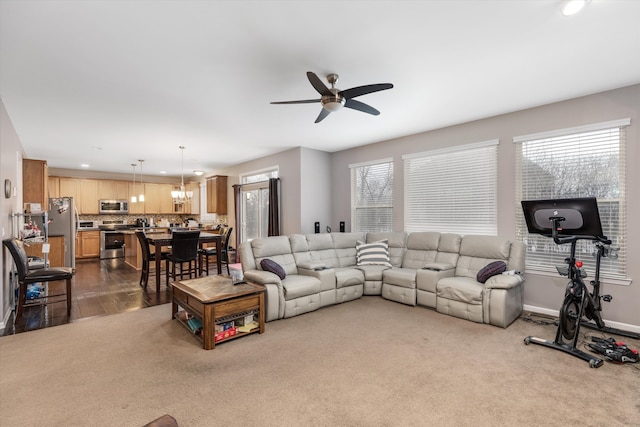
579	162
452	190
372	196
255	204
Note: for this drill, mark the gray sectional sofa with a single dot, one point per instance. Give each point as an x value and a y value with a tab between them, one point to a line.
431	269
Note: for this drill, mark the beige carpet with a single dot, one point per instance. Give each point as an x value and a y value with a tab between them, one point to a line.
369	362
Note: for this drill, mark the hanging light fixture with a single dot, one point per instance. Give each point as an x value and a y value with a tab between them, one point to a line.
181	196
141	196
133	198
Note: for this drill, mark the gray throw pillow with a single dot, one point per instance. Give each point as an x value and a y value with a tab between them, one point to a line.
273	267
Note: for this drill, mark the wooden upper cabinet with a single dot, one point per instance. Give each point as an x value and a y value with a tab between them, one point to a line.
217	195
113	190
69	188
137	207
164	195
35	177
151	198
88	197
53	184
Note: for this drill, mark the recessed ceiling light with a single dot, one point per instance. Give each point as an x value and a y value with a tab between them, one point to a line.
163	172
198	172
84	165
571	7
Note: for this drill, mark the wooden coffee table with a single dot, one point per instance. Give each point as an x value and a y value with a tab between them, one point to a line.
215	300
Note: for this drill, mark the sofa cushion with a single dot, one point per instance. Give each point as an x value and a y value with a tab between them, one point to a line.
403	277
373	272
273	267
296	286
348	277
376	253
463	289
491	269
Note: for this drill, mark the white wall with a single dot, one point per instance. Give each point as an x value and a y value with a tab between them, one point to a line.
315	191
11	155
540	291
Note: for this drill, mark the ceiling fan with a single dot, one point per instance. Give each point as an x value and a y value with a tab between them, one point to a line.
334	99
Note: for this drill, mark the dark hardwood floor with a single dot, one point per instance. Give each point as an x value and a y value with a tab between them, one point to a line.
99	288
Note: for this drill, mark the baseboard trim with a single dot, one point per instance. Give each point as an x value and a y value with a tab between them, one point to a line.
609	323
4	322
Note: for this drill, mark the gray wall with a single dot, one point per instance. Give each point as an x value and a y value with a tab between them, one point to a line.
11	155
541	292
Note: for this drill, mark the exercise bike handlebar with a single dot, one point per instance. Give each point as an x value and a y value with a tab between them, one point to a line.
570	239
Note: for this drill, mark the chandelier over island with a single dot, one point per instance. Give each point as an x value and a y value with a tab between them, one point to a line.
181	196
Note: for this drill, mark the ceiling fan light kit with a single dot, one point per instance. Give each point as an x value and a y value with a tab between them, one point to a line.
334	99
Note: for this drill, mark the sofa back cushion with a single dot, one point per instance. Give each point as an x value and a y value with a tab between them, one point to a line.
449	248
345	247
276	248
422	248
321	249
478	251
397	244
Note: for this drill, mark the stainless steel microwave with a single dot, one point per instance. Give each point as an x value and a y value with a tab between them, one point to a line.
114	207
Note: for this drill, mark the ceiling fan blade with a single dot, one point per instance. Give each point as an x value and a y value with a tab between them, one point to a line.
303	101
361	106
363	90
323	113
317	84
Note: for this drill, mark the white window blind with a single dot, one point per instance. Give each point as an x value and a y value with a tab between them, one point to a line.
452	190
579	162
372	196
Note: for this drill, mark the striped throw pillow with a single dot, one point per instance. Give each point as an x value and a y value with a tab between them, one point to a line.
376	253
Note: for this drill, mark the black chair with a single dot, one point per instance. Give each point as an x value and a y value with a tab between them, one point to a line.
28	277
224	255
184	250
147	257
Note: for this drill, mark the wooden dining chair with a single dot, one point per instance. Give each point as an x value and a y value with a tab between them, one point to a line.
184	251
27	277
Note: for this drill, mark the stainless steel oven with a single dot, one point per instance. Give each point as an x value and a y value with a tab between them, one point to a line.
111	244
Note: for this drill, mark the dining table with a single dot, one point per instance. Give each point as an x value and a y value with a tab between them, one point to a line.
158	240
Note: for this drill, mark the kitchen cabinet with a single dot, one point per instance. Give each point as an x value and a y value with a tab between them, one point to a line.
35	177
113	190
88	244
135	190
87	202
151	198
56	251
166	202
217	195
53	184
69	188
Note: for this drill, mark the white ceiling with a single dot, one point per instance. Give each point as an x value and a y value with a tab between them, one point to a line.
110	82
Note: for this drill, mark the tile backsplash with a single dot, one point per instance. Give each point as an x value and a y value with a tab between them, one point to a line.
171	218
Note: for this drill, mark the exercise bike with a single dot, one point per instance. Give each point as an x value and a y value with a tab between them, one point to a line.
579	217
578	301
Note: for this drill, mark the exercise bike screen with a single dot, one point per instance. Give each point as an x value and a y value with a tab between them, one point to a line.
581	216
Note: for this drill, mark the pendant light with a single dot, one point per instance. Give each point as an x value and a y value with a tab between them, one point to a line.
181	196
133	189
141	196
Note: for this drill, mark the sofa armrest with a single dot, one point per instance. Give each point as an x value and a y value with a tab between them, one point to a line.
312	265
262	277
438	266
503	281
274	297
327	277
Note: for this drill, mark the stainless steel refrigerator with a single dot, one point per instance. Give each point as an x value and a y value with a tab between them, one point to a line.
63	218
